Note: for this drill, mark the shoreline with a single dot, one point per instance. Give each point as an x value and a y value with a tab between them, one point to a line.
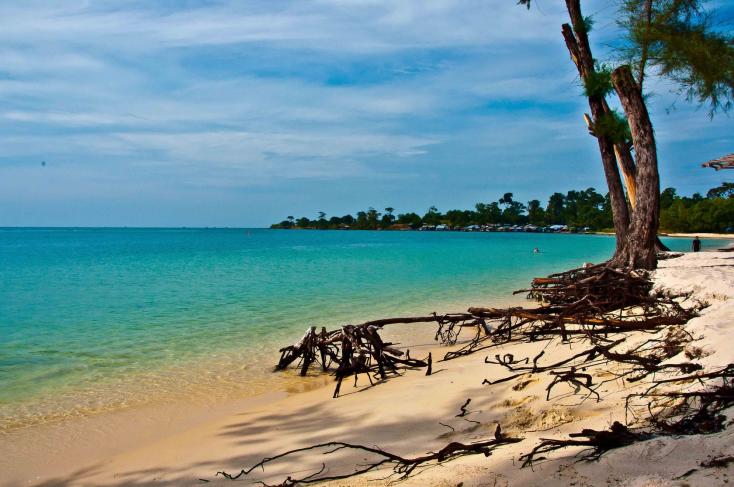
210	387
402	415
108	329
29	455
143	423
721	236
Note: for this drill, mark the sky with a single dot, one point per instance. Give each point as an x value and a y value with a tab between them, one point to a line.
217	113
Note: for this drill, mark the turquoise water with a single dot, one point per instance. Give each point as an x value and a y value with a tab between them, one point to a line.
97	319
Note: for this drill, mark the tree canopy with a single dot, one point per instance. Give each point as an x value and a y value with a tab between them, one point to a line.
575	208
679	40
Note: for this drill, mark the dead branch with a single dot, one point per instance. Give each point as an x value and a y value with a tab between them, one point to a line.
401	466
463	411
598	441
580	306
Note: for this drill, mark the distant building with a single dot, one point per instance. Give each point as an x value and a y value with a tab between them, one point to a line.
558	228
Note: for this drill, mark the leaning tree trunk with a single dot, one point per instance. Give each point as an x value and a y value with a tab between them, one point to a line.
642	214
638	250
577	43
629	174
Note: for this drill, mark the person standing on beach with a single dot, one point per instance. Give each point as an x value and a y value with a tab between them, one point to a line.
696	244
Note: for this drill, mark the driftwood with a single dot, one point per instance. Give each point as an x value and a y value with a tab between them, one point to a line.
587	303
599	442
593	305
673	412
683	410
401	466
358	349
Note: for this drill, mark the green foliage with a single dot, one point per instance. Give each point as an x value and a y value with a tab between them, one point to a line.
514	214
667	198
536	213
432	216
585	26
715	213
726	190
579	209
555	210
678	39
598	83
614	126
506	199
412	219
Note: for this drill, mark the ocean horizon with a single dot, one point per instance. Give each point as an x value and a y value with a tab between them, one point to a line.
102	318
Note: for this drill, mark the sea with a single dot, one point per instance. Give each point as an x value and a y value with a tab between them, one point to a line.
101	319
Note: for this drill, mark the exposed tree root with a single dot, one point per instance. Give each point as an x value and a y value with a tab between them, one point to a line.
686	411
358	349
598	306
585	303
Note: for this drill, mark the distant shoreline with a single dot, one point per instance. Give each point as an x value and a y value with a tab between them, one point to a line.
723	236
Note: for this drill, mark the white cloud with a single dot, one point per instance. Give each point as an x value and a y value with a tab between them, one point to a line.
235	94
332	26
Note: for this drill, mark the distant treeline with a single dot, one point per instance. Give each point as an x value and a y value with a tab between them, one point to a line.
712	213
576	209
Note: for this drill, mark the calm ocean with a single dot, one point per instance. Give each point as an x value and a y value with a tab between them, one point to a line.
99	319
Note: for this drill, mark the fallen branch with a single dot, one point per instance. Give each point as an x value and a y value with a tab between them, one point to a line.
598	441
401	466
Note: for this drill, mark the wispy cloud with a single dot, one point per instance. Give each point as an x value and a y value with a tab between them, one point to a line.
155	103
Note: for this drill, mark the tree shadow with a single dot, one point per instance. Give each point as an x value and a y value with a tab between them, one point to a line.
388	421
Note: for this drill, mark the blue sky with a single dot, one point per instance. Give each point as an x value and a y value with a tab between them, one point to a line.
209	113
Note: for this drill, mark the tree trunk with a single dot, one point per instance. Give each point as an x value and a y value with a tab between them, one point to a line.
577	43
635	225
629	173
638	251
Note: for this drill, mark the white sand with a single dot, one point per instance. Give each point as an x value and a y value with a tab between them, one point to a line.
402	415
728	236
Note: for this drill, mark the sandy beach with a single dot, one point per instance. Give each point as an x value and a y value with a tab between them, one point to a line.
366	243
182	445
724	236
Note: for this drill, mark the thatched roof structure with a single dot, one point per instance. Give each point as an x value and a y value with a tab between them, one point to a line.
726	162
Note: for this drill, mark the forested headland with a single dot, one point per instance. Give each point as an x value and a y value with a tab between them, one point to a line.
584	209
